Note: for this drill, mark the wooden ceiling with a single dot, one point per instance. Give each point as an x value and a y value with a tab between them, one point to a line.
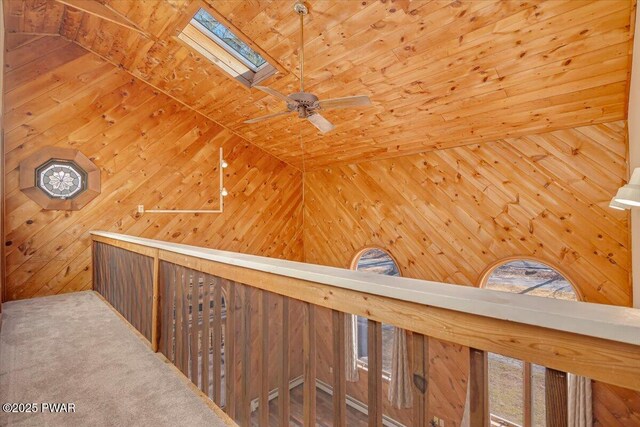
440	73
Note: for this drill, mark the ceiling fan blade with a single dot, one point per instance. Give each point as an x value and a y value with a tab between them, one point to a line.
267	117
276	94
348	102
321	123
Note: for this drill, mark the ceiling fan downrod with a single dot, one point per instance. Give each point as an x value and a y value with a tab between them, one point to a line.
301	9
306	104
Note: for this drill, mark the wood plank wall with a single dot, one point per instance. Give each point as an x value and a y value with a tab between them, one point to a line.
449	215
151	150
2	257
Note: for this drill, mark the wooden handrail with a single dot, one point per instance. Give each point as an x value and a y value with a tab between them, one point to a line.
596	341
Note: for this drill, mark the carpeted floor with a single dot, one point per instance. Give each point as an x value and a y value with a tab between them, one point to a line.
74	349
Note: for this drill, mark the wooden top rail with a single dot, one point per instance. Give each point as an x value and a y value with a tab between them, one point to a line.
594	340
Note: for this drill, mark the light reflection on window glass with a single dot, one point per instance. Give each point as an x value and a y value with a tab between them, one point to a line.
506	375
376	261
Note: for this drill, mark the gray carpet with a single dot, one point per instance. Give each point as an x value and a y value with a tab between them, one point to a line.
74	349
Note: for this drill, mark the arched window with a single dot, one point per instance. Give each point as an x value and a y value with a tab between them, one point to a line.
379	261
517	388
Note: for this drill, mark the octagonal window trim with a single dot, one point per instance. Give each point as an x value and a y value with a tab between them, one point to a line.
87	182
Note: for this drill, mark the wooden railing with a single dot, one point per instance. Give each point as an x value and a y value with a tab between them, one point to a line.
234	325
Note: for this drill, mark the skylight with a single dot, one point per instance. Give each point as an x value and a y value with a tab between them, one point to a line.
214	38
222	34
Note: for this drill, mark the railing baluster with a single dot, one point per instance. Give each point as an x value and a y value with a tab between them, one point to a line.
155	314
283	389
339	381
177	283
206	337
163	300
217	341
245	354
309	352
184	284
230	351
195	324
263	358
420	363
528	398
374	362
478	390
555	387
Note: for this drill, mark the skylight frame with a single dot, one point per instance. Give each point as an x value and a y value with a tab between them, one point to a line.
198	37
223	44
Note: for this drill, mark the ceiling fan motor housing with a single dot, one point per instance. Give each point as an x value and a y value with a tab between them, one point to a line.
306	103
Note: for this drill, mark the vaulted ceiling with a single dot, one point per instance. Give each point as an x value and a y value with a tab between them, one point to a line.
440	73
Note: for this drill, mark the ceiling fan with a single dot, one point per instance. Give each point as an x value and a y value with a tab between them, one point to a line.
306	104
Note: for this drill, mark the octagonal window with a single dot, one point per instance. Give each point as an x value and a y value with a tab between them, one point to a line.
61	179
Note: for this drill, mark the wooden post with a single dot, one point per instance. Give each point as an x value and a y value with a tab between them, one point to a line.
339	379
309	350
155	314
556	398
283	389
263	358
374	353
478	389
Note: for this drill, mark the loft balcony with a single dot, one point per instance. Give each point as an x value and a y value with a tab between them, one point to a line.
320	212
180	335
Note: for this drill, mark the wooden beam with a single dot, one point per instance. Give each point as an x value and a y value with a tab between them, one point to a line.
478	389
555	388
309	369
374	354
105	12
339	379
